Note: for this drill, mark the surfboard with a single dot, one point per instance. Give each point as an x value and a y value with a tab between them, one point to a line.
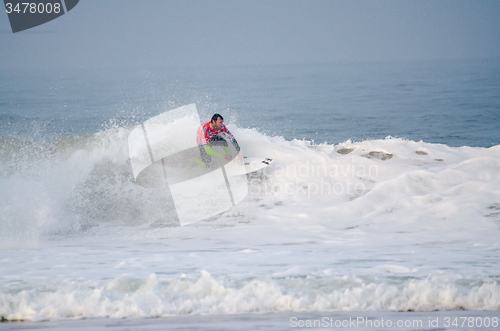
183	167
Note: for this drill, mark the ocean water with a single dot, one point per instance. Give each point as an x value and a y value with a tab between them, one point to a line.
383	200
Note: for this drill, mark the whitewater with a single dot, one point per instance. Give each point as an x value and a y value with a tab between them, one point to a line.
376	225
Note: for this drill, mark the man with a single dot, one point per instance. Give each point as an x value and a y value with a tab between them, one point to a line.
212	134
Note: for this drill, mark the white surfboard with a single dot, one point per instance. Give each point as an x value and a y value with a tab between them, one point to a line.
153	175
253	164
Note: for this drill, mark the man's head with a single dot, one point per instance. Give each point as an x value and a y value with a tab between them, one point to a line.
217	121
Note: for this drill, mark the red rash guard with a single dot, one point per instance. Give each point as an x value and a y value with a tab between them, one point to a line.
206	132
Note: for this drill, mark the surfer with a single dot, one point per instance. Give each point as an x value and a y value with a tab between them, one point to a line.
211	134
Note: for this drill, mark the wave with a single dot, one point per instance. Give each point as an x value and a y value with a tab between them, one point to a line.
388	224
155	296
74	183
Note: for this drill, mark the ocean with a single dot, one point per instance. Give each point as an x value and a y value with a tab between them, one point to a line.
382	203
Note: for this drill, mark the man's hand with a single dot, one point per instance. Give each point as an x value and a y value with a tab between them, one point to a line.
228	157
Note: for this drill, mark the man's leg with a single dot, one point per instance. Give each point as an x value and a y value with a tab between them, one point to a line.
219	141
206	160
216	141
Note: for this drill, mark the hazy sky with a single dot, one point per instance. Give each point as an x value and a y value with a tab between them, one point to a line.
124	33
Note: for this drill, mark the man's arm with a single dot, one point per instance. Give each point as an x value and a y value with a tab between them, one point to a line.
231	139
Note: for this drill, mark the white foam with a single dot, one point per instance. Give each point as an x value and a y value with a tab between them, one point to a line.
155	297
381	227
